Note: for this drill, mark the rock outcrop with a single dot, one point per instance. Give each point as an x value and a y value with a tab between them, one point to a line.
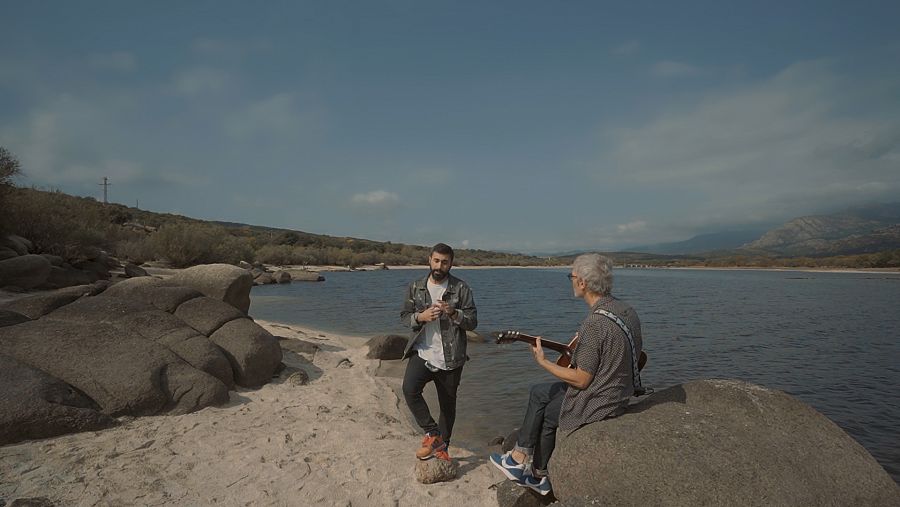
144	346
221	281
386	347
34	404
718	442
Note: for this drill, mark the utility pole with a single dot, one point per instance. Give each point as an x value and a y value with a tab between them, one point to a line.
105	184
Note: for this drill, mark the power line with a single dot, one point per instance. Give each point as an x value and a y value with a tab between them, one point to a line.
105	185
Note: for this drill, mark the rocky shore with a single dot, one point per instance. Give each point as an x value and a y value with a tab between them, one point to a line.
325	431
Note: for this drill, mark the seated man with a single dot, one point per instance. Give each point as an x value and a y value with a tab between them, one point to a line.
602	376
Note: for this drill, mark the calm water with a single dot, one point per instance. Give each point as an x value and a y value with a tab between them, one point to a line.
830	339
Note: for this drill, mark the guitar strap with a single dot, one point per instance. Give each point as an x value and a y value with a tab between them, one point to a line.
639	390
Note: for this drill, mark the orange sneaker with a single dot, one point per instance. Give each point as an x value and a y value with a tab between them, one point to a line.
443	454
431	444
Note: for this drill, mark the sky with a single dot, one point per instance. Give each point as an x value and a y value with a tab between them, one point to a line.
517	126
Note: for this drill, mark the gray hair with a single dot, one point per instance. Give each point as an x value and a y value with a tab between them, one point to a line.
596	271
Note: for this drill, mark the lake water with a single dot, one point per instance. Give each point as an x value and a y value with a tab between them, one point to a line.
830	339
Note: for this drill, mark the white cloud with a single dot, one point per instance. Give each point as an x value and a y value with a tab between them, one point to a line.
200	80
673	69
631	227
119	60
778	148
627	48
376	198
275	118
465	243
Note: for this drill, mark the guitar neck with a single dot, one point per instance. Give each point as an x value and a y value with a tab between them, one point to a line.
531	340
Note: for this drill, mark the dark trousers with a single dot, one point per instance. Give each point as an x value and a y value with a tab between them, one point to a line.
537	436
446	383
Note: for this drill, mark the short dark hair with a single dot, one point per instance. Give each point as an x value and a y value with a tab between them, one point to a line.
442	249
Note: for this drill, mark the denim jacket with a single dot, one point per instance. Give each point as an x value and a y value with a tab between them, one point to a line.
453	333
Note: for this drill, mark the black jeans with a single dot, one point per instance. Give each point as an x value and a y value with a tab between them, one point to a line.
446	383
537	436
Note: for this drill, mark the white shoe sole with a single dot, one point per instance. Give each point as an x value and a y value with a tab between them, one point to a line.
506	472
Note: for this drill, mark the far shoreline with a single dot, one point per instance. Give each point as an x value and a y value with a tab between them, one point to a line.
422	267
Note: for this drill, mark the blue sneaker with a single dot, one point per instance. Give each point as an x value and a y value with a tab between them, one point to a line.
542	486
512	470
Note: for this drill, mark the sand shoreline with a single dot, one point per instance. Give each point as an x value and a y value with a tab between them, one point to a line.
342	439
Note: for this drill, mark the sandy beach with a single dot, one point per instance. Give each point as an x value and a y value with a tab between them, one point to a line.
344	438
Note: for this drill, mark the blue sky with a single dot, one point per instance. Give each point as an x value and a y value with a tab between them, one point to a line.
524	126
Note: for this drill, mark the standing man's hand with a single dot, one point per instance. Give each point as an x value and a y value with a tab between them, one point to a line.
538	351
429	314
446	309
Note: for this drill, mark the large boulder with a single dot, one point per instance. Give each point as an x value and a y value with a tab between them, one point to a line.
7	253
35	405
386	347
718	442
121	371
221	281
143	319
11	318
16	243
67	276
206	314
153	291
39	305
253	352
24	271
281	276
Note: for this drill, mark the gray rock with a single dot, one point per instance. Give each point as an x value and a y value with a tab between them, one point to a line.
281	277
264	279
221	281
55	260
17	244
134	271
94	268
306	276
7	253
35	405
253	352
386	347
67	276
206	314
436	470
11	318
147	321
719	442
121	371
510	440
153	291
245	265
24	271
39	305
200	353
511	495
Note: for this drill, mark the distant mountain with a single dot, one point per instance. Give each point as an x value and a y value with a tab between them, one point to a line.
728	240
858	230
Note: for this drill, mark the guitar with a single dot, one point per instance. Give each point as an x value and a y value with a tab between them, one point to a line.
565	350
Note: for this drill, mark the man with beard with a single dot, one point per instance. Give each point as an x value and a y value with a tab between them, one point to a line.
439	308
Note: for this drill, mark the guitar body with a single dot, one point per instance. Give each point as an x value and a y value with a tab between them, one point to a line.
565	350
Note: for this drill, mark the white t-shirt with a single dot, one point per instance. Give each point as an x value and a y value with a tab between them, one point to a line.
431	347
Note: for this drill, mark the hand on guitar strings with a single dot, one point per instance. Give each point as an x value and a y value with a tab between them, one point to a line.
538	351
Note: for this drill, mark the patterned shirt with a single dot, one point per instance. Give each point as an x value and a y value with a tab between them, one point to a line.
602	351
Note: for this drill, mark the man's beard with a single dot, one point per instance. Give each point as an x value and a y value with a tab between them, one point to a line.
438	275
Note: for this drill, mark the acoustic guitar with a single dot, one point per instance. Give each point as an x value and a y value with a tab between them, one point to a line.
565	350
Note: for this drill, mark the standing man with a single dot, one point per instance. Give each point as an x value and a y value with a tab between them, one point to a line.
439	308
601	379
